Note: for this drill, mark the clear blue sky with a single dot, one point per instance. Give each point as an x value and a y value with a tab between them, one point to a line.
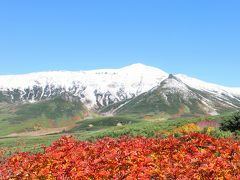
197	38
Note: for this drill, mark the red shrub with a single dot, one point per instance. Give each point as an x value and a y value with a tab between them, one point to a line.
195	156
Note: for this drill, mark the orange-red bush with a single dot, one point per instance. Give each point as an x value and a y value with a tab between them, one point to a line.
194	156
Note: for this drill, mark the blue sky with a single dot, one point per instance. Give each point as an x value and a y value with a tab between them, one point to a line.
197	38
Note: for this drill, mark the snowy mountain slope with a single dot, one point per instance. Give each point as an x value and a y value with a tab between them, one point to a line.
94	88
226	94
105	87
201	85
174	97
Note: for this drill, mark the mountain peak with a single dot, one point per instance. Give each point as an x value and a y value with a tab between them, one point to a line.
173	82
137	66
171	76
142	68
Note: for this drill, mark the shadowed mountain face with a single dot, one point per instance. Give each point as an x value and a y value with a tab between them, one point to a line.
174	97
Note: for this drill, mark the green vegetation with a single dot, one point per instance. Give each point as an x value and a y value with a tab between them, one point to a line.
231	123
113	106
217	133
103	123
52	113
51	109
107	127
155	102
3	98
102	127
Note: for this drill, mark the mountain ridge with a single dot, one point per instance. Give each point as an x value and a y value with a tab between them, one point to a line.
174	97
99	88
126	68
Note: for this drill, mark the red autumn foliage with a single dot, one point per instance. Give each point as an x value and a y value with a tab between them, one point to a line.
194	156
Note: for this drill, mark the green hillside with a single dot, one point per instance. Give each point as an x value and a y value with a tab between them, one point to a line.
54	113
101	123
106	127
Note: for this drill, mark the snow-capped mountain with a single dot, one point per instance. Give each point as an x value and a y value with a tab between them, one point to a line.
95	88
98	88
205	86
175	97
